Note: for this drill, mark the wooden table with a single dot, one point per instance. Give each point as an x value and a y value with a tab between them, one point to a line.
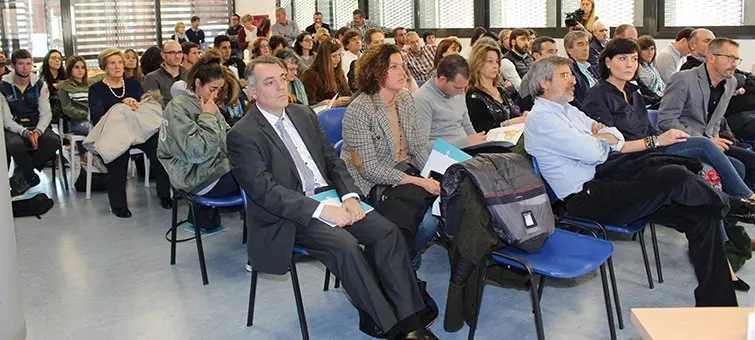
691	323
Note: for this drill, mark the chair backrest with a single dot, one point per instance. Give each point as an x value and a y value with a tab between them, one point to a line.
332	121
551	195
338	147
420	83
653	117
243	196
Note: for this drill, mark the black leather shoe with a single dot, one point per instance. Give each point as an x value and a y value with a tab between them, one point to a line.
121	212
741	286
166	202
421	334
18	185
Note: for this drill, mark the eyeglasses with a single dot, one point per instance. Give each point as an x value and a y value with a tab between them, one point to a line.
55	58
172	53
732	58
308	40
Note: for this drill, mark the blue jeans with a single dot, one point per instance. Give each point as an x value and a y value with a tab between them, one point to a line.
704	150
425	234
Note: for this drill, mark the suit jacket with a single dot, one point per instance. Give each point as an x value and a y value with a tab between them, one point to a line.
368	145
684	105
595	49
265	170
582	85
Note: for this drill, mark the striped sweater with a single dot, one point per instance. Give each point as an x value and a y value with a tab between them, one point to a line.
74	100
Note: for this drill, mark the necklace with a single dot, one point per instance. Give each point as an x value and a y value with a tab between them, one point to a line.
113	92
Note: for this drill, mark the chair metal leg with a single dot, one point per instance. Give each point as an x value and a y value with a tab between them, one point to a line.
63	167
326	285
615	293
72	147
252	295
200	250
657	254
607	298
338	283
243	236
299	303
480	287
173	229
540	287
54	177
645	258
89	174
535	297
146	171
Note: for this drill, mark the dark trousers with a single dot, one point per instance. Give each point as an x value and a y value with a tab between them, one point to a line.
207	217
743	159
380	280
743	124
25	157
674	197
118	170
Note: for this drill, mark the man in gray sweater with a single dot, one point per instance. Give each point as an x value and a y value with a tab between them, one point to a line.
442	108
169	72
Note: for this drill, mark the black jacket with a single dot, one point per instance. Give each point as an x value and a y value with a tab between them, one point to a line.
522	64
263	167
485	112
595	49
311	28
605	103
691	62
580	89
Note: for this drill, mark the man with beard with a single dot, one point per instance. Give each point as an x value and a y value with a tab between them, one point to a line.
516	62
26	116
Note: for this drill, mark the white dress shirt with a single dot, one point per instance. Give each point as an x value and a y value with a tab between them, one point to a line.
346	58
303	153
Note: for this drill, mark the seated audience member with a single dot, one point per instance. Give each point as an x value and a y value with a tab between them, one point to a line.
284	27
248	33
192	146
399	38
317	24
131	67
671	58
53	73
625	31
296	92
362	24
698	45
428	37
191	55
150	61
223	44
324	79
446	47
503	40
374	154
261	48
194	33
488	104
542	47
352	46
477	33
3	67
684	104
517	61
178	33
304	48
114	89
233	105
321	35
648	74
25	107
74	94
372	37
740	114
340	32
264	29
170	71
577	44
600	35
380	280
419	59
442	108
277	43
578	158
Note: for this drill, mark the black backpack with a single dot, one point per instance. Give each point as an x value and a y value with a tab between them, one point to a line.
35	206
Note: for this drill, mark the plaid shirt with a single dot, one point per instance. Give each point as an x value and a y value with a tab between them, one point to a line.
367	25
421	64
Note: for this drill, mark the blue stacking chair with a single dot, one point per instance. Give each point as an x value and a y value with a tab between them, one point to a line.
332	121
338	147
653	118
565	255
636	228
223	202
294	282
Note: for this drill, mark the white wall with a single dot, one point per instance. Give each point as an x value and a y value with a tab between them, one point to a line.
256	7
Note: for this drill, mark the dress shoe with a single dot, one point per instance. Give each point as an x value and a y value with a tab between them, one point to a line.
166	202
421	334
18	185
121	212
742	210
740	285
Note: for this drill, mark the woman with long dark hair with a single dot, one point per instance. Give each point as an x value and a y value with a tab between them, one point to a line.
324	78
304	47
53	73
131	65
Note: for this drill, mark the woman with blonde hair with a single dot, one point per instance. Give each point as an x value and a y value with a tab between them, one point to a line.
178	33
488	104
589	18
249	33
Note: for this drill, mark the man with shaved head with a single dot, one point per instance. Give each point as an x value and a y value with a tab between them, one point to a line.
699	40
169	72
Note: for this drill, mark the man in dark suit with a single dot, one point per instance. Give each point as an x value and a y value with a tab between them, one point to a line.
280	156
600	34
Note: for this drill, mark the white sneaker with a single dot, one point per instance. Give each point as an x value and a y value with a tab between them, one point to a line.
248	266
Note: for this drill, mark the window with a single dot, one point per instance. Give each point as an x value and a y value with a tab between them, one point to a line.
515	13
392	13
99	24
343	10
681	13
213	16
446	14
32	25
609	12
304	9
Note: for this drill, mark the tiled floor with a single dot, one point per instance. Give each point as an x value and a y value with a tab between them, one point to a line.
90	275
